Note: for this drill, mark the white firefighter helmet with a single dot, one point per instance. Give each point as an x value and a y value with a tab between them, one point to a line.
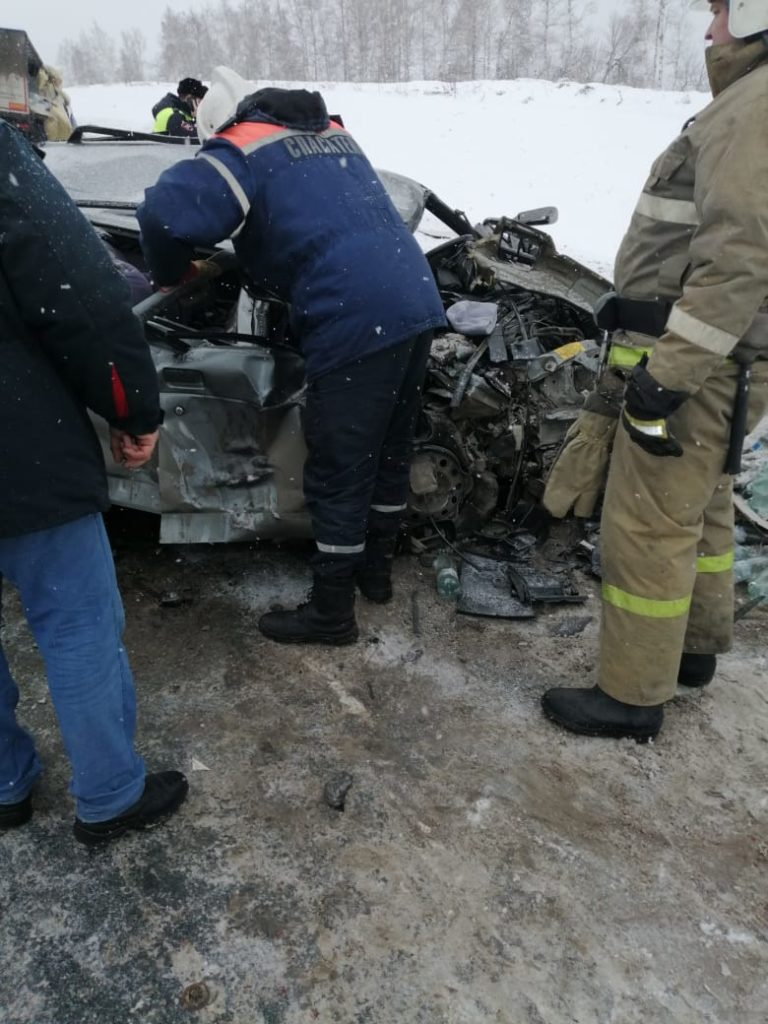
220	102
745	17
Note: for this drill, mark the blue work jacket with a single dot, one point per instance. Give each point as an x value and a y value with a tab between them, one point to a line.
311	224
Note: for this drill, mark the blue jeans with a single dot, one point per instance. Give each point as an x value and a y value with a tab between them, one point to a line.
66	580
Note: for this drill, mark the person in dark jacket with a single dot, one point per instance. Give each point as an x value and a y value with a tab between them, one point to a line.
313	226
68	343
175	113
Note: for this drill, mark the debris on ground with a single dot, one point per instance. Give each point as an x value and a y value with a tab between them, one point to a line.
173	599
335	790
195	996
571	626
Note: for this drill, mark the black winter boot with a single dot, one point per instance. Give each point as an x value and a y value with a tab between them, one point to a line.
593	713
374	578
327	617
697	669
13	815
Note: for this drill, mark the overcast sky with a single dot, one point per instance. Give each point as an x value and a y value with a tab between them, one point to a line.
48	22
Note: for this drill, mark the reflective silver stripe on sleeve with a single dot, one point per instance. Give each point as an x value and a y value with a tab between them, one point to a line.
340	549
698	333
389	508
673	211
234	185
251	147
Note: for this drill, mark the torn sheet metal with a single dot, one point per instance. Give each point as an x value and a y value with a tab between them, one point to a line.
742	505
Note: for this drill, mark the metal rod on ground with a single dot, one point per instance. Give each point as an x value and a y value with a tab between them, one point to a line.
415	613
748	607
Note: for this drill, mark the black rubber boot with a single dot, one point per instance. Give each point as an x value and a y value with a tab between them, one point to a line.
374	578
697	669
593	713
164	793
328	617
13	815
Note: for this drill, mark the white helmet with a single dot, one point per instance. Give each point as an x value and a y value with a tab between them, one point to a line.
220	102
745	17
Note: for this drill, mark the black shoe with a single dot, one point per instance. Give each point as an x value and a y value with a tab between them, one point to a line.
328	617
164	793
697	669
593	713
13	815
374	578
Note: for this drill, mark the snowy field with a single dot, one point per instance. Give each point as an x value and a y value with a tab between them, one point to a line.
490	148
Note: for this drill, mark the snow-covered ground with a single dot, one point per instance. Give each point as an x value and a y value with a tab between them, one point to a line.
490	148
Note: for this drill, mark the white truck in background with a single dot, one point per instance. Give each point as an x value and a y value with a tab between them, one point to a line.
31	94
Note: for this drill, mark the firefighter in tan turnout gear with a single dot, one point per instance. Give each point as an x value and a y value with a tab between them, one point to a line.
689	325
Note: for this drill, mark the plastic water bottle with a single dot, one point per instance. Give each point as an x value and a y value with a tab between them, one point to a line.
758	492
446	577
750	568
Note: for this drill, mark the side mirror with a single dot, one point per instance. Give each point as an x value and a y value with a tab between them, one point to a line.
542	215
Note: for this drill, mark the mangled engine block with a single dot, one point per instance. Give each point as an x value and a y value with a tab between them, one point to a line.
497	405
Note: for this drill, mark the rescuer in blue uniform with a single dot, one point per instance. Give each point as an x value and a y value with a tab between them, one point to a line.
313	225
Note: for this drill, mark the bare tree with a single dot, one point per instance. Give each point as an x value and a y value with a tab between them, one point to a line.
132	60
89	59
658	42
621	41
643	43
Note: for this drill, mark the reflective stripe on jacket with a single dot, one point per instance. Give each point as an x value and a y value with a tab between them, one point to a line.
173	117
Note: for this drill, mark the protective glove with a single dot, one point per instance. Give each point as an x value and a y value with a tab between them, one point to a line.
647	405
208	269
577	478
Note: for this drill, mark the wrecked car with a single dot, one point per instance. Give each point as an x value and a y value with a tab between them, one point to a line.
497	399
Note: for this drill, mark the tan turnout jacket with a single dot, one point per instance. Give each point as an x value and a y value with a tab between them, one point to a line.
699	233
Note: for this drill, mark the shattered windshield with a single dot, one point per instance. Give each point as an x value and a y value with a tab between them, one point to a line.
114	172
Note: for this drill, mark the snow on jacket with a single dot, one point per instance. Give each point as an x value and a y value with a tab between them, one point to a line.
311	224
68	342
174	117
698	237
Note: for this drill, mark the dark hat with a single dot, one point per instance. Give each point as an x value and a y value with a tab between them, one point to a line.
191	87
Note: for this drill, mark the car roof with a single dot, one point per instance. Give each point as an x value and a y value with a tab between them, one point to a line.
111	171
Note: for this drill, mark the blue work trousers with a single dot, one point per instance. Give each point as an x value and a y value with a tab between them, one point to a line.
359	426
66	580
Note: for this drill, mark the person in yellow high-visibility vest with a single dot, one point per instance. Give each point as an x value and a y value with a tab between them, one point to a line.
689	316
175	114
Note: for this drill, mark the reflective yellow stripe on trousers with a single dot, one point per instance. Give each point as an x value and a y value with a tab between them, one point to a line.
715	563
654	608
651	608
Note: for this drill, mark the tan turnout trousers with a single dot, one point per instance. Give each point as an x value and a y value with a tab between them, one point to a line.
667	545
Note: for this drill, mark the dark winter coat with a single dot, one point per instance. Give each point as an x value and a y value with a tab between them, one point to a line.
174	117
311	224
68	342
